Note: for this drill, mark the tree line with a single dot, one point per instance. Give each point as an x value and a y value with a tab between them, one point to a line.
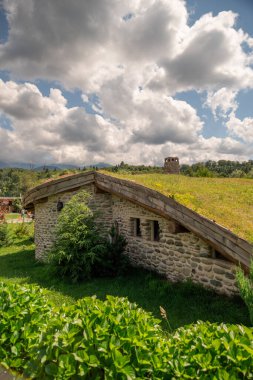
221	168
15	182
134	169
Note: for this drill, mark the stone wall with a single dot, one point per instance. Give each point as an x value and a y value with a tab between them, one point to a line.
177	255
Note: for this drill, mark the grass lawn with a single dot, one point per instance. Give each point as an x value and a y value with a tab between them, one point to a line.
12	216
184	303
228	201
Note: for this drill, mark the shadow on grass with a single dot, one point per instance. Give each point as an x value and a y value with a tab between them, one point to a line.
26	242
184	302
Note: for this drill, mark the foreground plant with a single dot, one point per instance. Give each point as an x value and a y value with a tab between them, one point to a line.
78	241
245	285
5	238
113	339
81	250
24	229
164	316
24	312
113	261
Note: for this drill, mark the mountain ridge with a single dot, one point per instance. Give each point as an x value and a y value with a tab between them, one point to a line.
53	166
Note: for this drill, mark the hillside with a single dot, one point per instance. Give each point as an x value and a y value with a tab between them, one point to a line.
227	201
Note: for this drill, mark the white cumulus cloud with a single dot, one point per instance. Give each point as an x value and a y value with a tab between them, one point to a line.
222	102
134	56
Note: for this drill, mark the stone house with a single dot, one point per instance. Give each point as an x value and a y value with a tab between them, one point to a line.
163	235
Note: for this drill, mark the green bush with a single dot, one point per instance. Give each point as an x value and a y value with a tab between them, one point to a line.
93	339
211	351
5	238
22	230
113	339
80	250
24	312
17	204
3	234
113	262
245	285
78	241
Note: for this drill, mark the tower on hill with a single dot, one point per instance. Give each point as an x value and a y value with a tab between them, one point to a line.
171	165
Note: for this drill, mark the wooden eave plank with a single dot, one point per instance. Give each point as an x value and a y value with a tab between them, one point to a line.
57	186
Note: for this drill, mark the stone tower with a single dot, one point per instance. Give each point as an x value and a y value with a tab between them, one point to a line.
171	165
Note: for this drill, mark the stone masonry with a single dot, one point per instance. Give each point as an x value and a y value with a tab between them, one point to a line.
154	242
171	165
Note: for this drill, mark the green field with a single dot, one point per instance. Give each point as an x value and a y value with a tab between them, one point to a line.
227	201
185	303
12	216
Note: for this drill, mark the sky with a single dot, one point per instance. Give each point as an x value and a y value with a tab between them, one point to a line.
132	80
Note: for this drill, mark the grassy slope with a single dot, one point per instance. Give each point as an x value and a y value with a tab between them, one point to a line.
228	201
184	303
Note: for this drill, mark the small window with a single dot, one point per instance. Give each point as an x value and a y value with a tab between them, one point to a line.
136	227
155	230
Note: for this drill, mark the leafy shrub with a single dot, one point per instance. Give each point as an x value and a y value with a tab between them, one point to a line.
113	261
245	285
92	339
113	339
24	311
80	251
238	174
22	230
17	204
5	238
250	174
78	241
204	172
3	233
211	351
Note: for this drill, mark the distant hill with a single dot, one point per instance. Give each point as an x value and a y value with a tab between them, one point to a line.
39	167
19	165
100	165
25	165
56	167
44	167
